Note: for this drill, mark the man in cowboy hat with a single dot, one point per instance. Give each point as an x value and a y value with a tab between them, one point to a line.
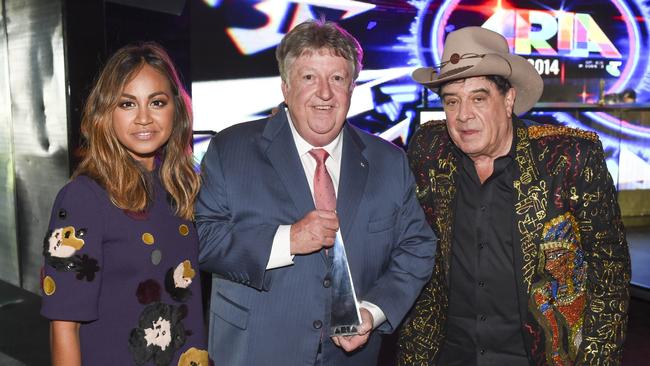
532	266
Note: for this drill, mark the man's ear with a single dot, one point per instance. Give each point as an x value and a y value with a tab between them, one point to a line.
285	89
510	97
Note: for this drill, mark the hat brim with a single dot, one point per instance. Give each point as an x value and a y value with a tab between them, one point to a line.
520	73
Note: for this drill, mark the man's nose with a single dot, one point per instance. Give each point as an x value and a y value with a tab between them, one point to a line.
465	111
324	90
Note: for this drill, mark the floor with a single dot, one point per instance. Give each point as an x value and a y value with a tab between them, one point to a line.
24	333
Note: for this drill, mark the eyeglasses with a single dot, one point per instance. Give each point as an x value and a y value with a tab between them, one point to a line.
455	58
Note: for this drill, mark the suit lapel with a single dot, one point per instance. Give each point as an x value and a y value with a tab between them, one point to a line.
282	153
531	195
352	179
443	189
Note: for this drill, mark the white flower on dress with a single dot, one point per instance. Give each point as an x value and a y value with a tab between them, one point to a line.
183	275
63	243
159	334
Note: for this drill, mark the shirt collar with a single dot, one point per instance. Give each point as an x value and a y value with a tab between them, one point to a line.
334	148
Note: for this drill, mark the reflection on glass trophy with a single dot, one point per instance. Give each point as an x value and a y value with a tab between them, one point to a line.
345	315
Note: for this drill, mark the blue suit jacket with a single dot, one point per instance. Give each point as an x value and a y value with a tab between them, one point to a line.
253	181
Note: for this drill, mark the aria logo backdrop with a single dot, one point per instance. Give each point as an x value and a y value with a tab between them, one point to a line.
581	54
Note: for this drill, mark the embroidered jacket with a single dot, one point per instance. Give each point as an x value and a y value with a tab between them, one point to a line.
573	266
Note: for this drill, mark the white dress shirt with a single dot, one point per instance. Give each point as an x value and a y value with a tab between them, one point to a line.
281	249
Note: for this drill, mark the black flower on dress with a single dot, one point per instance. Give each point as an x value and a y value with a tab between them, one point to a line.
87	267
160	333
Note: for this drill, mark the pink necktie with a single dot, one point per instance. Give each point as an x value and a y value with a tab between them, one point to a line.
344	314
324	196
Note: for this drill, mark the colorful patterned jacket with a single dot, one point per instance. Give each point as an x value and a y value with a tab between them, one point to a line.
573	265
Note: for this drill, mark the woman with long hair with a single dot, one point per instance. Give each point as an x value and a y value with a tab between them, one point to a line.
120	279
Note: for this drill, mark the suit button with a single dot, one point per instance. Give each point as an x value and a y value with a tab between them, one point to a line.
483	318
481	283
482	351
317	324
327	283
483	208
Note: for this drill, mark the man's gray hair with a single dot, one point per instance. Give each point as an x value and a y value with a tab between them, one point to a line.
315	35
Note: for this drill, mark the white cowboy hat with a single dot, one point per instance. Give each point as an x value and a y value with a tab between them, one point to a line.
476	51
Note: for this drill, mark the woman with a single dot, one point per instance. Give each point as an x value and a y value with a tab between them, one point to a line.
120	278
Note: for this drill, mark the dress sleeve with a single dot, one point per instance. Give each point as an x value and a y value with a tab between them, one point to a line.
72	253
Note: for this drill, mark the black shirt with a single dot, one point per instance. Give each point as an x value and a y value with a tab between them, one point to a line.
483	326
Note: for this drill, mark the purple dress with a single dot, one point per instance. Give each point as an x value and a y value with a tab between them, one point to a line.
131	279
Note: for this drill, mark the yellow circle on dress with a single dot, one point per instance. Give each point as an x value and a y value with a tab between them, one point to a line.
147	238
48	285
183	229
194	356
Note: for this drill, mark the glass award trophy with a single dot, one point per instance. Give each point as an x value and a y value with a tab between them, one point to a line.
345	317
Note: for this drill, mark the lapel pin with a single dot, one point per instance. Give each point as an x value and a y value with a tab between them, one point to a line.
363	164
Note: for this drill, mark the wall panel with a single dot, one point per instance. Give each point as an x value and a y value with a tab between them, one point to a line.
9	269
36	76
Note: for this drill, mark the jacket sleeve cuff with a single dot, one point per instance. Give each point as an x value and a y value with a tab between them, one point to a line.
378	316
281	248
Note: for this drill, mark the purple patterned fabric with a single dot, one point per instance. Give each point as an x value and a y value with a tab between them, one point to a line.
132	280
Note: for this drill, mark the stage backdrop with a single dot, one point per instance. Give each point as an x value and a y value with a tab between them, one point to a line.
582	55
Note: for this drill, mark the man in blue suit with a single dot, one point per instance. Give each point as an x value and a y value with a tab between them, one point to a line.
266	243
